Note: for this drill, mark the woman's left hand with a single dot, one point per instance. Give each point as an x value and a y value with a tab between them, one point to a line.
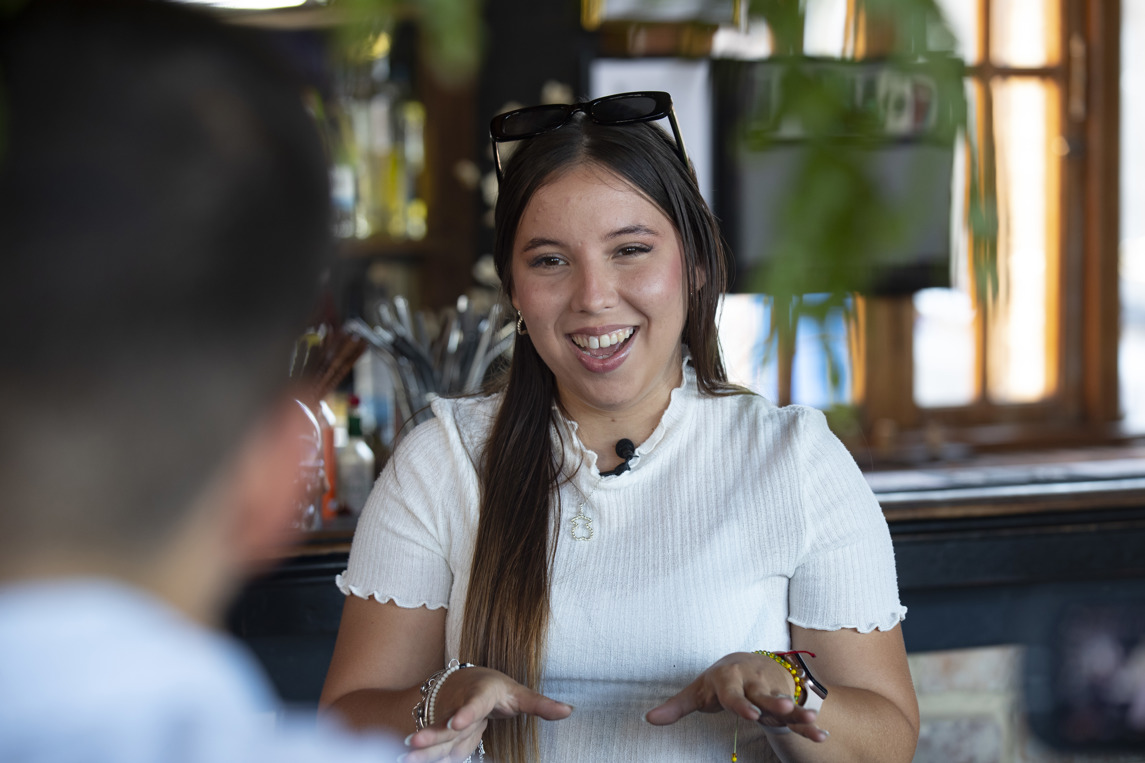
752	686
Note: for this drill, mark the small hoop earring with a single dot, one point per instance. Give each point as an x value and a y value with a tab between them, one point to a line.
521	329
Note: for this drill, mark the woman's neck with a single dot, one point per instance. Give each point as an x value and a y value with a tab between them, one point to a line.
599	430
602	439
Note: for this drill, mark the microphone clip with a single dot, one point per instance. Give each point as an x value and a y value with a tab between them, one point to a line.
626	450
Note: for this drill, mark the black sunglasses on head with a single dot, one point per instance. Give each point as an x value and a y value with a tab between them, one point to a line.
619	109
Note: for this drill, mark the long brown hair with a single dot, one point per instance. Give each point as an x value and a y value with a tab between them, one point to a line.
507	608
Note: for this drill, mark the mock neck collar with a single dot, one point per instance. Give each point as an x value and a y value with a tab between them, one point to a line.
579	458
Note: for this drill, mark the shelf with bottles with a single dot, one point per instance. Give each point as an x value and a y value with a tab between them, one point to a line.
374	126
399	136
398	191
362	88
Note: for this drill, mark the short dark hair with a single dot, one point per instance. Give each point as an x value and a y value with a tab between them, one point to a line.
164	215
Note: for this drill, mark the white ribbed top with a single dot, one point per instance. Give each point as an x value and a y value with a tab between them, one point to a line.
735	518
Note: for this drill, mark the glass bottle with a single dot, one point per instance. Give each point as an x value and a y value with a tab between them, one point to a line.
355	463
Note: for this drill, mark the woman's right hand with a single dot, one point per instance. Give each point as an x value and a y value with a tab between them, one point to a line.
465	702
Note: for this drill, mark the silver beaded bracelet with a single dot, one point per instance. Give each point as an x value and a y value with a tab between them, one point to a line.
452	668
423	710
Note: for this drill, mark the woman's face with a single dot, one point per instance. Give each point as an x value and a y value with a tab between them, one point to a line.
598	275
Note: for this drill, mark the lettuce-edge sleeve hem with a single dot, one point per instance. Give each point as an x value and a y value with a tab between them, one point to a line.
349	589
885	623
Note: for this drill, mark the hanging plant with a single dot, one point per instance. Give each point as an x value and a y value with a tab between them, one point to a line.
839	224
849	199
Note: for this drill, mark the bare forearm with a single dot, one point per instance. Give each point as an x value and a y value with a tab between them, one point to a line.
374	709
863	726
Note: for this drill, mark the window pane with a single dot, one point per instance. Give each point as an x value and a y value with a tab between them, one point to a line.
943	348
1131	350
821	374
962	15
749	358
821	370
944	332
1017	353
1131	354
1020	31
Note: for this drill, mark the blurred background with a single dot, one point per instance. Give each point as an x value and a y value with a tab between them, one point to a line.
929	202
935	216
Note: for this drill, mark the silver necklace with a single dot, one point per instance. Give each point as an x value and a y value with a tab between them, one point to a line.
580	525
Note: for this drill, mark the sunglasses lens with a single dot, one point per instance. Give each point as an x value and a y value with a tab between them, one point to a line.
532	122
626	108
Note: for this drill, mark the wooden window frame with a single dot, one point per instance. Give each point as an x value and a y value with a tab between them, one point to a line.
1083	406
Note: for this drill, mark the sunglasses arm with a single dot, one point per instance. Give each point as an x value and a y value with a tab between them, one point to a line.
679	138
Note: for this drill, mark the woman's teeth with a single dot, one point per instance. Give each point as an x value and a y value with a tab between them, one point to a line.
588	342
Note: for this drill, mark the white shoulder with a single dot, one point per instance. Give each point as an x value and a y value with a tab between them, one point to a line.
460	427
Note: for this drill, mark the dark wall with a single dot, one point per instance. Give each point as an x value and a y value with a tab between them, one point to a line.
527	44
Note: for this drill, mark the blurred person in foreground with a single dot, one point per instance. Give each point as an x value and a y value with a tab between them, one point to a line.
163	219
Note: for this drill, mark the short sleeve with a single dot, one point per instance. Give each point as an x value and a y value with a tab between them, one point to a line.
846	574
402	544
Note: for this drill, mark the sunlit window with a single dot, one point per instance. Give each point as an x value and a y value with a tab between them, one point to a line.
1020	32
1006	352
821	370
748	350
820	364
1131	355
1018	355
944	354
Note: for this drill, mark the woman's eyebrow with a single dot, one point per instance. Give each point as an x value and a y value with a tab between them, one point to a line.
540	242
633	230
637	229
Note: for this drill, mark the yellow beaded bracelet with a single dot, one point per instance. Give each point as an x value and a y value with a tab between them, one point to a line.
799	676
796	674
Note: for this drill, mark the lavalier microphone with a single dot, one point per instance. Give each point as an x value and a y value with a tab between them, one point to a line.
626	450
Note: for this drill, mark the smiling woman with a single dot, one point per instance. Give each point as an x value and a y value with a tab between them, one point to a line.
504	536
597	274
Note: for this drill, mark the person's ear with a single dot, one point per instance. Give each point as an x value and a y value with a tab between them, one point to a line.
267	488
